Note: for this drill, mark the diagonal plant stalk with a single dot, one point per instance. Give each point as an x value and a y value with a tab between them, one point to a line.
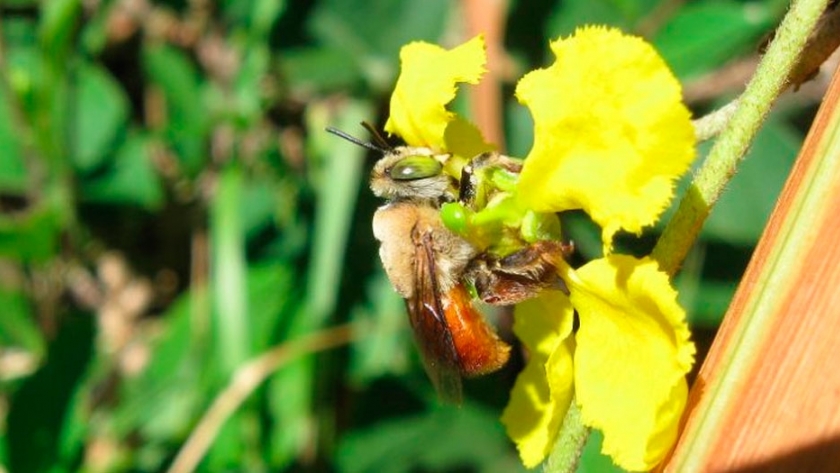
769	81
246	378
565	454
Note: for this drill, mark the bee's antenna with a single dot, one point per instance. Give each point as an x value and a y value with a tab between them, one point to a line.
377	137
357	141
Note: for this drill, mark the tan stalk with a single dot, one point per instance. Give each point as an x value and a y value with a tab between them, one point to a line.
767	396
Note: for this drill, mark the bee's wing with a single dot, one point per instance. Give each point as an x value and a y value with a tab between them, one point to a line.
425	310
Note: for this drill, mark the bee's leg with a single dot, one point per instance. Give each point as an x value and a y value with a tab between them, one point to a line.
470	186
521	275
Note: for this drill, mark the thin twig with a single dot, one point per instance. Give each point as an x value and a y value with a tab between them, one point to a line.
712	124
565	455
245	380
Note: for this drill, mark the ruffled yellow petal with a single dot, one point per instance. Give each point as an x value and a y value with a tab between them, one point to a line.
633	352
463	139
611	134
426	84
543	390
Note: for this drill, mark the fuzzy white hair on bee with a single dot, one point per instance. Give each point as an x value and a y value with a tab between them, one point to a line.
405	172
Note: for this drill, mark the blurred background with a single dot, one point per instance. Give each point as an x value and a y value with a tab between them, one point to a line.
180	239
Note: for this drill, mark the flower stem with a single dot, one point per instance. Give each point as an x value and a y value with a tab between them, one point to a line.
728	151
565	455
712	124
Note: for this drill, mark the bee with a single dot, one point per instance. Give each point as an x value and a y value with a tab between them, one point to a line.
431	267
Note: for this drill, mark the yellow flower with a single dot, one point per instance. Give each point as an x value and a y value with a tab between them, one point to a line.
630	357
611	134
545	387
611	137
633	351
428	78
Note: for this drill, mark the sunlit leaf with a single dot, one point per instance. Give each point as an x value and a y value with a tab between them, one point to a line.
102	113
705	34
131	178
187	120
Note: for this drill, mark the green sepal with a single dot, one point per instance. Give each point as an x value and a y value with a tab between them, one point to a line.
537	226
456	217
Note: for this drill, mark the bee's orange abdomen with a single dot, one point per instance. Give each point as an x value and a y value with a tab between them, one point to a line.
480	351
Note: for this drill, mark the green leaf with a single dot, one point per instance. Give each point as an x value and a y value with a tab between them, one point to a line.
572	14
37	412
337	178
379	28
131	179
254	17
95	34
586	234
270	286
187	126
20	3
385	347
704	35
164	401
373	32
258	205
520	129
310	70
707	302
102	113
237	445
592	460
249	84
58	27
17	324
443	439
12	170
31	235
25	73
290	401
230	311
263	15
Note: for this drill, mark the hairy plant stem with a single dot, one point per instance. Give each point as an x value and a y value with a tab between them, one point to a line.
709	126
728	151
565	454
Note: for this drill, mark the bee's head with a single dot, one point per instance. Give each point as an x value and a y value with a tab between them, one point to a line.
405	172
411	173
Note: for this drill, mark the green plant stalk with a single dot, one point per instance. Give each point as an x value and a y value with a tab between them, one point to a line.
338	175
565	454
228	272
711	125
768	82
339	180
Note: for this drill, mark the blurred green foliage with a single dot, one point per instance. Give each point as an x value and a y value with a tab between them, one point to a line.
170	207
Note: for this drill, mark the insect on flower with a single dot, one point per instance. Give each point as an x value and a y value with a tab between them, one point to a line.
431	267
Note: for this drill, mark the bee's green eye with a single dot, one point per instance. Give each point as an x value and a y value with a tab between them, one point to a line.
415	167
